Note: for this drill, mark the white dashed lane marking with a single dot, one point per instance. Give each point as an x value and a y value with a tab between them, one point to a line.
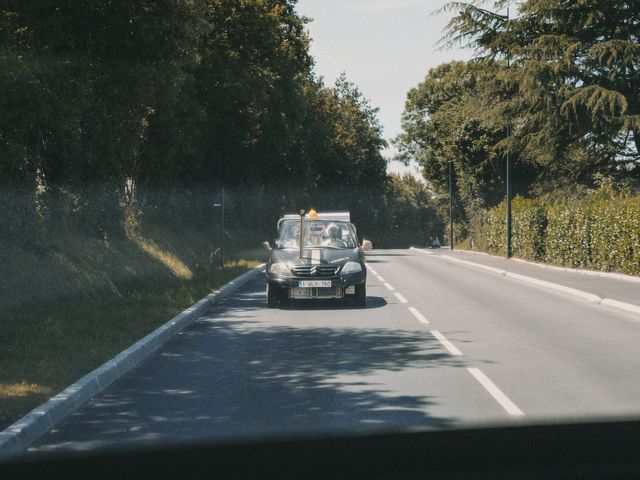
495	392
488	385
446	343
401	298
418	315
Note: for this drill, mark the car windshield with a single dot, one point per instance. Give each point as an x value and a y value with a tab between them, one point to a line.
468	174
317	234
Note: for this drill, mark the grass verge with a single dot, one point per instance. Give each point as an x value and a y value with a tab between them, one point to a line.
67	308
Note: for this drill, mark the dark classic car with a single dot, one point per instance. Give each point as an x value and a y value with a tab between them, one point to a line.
316	256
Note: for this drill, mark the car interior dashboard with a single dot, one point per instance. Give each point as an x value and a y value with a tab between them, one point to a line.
605	450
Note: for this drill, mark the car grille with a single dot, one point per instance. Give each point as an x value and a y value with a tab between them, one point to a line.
315	270
319	292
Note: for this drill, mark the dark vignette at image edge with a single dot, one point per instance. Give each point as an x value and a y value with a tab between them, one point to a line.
585	451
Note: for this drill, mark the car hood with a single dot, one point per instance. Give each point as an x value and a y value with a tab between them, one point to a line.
315	256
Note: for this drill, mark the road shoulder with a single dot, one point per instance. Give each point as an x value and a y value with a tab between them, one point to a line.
610	290
18	436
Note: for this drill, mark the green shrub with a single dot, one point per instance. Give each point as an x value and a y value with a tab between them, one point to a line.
529	224
601	232
615	237
568	237
496	229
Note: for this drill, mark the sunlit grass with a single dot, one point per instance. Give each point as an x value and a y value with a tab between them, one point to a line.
242	263
22	389
172	262
14	397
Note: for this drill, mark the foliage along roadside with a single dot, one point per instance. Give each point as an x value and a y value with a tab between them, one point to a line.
105	103
553	89
601	232
150	107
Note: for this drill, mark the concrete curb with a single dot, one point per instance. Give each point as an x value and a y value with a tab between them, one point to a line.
582	295
474	252
21	434
479	266
579	271
627	307
575	271
589	297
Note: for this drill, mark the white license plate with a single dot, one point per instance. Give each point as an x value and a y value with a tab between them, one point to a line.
314	283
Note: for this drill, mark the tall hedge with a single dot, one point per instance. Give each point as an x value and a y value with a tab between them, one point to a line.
529	221
615	235
600	233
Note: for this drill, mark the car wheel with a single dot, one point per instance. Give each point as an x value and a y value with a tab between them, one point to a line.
360	298
275	295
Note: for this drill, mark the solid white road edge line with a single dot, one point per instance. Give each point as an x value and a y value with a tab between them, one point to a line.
575	271
495	392
418	315
579	271
497	271
389	287
371	269
446	343
380	278
627	307
401	298
589	297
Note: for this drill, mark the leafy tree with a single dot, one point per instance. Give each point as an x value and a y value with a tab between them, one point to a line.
451	117
554	89
157	105
249	84
571	83
341	145
97	70
410	214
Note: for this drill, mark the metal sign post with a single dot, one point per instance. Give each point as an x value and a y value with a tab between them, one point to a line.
221	206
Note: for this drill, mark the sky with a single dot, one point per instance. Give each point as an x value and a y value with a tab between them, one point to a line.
385	47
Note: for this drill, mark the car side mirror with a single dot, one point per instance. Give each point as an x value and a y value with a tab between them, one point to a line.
367	245
267	246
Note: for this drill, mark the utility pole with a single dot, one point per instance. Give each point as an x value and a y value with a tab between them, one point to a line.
506	18
508	166
450	207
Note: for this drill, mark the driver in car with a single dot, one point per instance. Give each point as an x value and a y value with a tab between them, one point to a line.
334	235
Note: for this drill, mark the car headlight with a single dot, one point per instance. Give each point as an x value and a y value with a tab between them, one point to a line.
279	269
351	267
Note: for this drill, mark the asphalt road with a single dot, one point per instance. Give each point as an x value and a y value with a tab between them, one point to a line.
440	345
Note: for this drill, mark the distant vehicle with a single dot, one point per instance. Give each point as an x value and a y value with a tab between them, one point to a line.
316	256
435	243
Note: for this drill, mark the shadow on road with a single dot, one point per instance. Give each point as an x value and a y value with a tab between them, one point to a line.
239	375
372	302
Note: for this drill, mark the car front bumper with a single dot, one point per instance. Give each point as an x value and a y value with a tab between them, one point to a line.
337	289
